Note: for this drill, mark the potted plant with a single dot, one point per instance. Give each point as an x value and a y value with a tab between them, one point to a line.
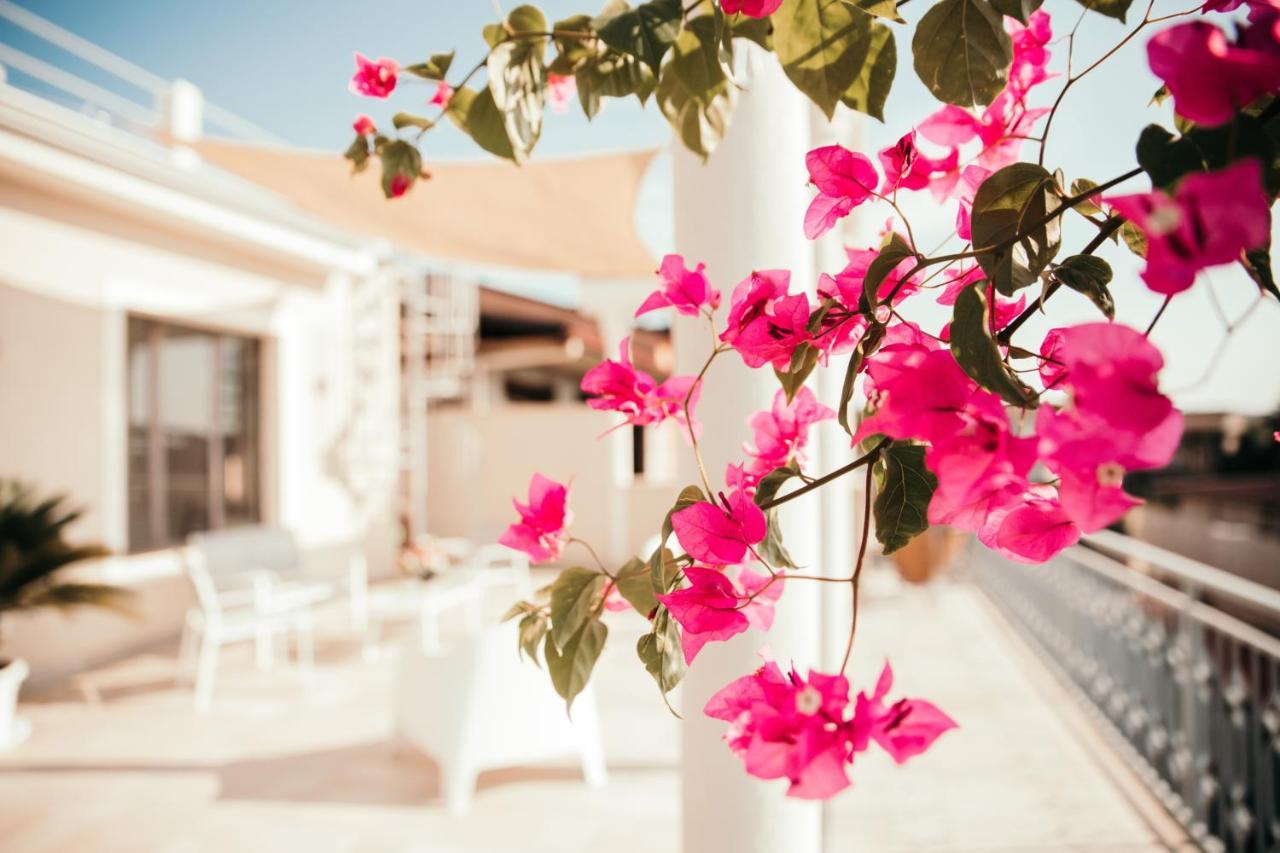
33	558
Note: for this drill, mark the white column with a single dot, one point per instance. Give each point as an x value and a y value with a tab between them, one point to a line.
744	210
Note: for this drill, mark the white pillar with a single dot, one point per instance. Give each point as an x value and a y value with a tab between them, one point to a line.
181	108
744	210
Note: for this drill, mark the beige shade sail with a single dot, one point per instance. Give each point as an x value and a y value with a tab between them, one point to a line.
564	215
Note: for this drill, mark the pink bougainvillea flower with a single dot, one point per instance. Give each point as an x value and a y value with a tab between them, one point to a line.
782	433
1117	421
685	290
1030	57
364	125
765	323
720	534
907	167
560	90
442	96
400	184
903	729
1211	219
715	608
540	530
789	727
751	8
374	79
1029	530
618	386
614	602
970	179
1052	371
1210	78
844	181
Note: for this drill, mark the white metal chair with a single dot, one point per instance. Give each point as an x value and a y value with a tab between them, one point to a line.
499	566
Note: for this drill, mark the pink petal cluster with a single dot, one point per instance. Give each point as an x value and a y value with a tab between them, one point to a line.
400	184
720	534
751	8
907	167
1211	77
1117	421
785	726
766	323
374	79
781	433
364	126
442	96
714	607
540	531
560	91
685	290
844	181
618	386
1210	220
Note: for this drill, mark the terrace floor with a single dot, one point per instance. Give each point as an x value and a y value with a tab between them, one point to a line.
280	764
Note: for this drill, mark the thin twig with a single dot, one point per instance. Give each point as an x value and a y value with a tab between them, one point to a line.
868	457
857	570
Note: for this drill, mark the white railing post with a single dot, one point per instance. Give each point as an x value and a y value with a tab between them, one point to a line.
181	109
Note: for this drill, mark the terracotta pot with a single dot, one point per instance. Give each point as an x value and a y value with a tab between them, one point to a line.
928	555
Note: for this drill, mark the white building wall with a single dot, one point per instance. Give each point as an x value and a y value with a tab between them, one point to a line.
69	277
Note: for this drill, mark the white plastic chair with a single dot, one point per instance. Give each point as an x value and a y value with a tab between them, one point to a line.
479	706
238	607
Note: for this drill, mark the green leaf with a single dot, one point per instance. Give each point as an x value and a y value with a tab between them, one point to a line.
570	52
571	666
1016	200
867	346
573	597
770	484
904	487
1080	186
636	586
1166	158
646	32
1134	239
661	652
803	360
518	80
758	30
532	631
822	45
403	120
870	89
892	252
434	68
887	9
1090	276
962	53
358	153
478	116
1019	9
1111	8
976	352
399	158
694	90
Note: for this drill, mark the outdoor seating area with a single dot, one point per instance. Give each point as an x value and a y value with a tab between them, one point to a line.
320	762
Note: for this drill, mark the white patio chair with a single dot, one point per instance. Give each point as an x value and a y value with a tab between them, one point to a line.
237	606
478	706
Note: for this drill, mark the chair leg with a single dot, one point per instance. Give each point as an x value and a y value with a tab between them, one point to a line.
429	630
306	645
264	647
186	654
458	782
206	671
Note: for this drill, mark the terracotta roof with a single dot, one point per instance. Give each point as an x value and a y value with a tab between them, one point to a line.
551	214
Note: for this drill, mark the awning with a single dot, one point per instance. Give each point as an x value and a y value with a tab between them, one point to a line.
565	215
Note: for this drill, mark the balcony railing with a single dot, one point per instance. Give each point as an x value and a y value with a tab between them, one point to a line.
1190	693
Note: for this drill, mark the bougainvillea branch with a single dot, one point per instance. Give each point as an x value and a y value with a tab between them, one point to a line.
1024	443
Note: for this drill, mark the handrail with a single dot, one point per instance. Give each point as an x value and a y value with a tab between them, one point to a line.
122	69
1196	576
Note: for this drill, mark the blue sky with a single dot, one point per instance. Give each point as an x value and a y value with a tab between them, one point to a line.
284	64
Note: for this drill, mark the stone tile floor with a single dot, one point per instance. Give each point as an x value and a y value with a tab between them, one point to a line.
286	764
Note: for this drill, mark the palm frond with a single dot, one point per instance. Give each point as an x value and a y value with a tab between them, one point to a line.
65	596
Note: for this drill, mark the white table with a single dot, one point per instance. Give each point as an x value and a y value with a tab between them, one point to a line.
426	601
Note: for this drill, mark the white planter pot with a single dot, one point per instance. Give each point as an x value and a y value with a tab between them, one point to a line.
13	730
